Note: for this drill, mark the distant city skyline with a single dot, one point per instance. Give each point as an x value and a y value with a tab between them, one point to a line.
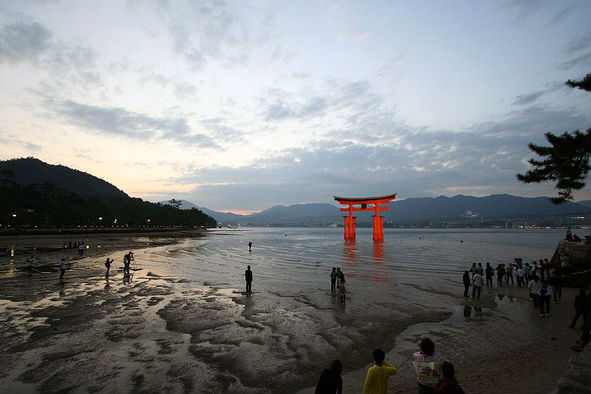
238	106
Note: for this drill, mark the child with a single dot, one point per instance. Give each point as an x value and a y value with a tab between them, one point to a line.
427	366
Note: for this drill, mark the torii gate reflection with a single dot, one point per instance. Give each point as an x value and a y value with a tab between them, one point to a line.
378	221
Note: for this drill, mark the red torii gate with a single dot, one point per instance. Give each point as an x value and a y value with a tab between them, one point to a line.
378	221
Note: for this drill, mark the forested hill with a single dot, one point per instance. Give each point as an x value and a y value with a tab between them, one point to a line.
29	171
34	194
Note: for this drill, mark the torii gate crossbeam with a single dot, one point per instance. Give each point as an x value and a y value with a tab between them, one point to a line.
378	221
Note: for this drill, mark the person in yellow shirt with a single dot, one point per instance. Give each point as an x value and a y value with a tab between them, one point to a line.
376	381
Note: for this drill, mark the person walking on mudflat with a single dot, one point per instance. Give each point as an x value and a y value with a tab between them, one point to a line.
127	259
62	268
489	271
477	285
248	278
466	279
333	280
108	265
376	380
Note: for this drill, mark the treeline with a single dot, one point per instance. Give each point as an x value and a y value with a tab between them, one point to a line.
46	206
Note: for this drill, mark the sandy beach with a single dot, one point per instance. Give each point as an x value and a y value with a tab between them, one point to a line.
164	333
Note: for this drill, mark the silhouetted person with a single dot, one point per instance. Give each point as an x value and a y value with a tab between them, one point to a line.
340	275
580	307
330	381
62	268
466	279
248	277
333	280
556	282
250	246
108	265
489	272
127	259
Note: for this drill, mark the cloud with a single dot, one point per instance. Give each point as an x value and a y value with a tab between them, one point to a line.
120	122
524	99
581	61
524	8
530	98
577	45
349	99
202	31
408	161
221	131
577	53
560	15
12	140
22	41
67	64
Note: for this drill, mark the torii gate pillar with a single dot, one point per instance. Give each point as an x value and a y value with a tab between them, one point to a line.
349	227
378	228
378	221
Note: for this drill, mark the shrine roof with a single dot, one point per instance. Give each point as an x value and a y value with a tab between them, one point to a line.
365	199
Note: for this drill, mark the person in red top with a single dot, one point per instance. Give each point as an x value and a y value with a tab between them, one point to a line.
449	383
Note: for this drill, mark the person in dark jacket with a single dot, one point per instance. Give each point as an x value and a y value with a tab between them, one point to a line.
448	384
580	307
466	279
248	277
330	381
489	271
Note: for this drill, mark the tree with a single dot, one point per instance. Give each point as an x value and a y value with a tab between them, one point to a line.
566	160
175	203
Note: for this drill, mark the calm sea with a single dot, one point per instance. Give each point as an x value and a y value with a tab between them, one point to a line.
296	259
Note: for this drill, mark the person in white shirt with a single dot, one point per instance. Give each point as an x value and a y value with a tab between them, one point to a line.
534	286
476	284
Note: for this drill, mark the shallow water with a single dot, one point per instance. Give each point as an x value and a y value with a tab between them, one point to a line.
297	259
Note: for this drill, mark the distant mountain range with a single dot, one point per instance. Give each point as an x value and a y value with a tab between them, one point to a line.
34	193
458	210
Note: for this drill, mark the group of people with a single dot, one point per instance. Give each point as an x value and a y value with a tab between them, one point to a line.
543	285
512	272
76	246
433	376
127	259
337	282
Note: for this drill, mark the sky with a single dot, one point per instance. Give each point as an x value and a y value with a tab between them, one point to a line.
242	105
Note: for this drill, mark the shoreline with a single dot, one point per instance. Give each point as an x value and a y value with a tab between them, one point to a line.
527	364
